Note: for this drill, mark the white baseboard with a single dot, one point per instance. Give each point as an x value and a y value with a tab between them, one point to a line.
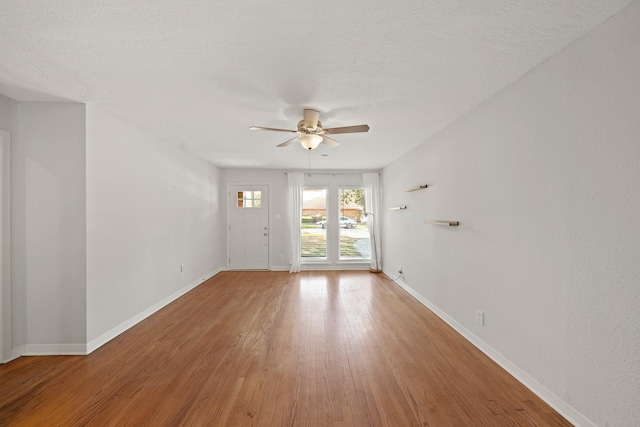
563	408
84	349
15	353
54	349
111	334
337	267
280	268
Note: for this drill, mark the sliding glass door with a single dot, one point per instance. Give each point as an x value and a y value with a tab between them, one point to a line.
333	226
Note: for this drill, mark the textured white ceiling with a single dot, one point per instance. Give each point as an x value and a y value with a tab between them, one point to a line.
198	73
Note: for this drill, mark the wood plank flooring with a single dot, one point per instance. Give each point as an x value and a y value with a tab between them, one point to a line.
276	349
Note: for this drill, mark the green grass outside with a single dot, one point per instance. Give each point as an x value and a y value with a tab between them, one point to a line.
315	246
303	226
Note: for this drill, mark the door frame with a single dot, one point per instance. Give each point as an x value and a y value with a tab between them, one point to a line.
229	185
5	246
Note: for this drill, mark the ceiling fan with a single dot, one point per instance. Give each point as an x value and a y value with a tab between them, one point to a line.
311	133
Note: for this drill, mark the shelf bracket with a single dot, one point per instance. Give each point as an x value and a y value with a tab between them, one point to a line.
417	187
442	222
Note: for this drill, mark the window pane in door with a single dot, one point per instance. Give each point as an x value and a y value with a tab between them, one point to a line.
249	199
354	231
313	228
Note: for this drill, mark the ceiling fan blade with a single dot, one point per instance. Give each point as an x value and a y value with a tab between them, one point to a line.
272	129
284	144
348	129
330	142
311	118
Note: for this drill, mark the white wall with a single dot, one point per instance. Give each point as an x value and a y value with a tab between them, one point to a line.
5	246
544	179
5	230
48	227
150	208
103	215
10	340
5	113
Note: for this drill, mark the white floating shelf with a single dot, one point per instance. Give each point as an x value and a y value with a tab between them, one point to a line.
417	187
442	222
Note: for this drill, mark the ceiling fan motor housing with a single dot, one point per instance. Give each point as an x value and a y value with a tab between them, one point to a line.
310	130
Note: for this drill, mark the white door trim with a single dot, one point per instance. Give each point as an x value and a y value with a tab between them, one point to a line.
228	198
5	246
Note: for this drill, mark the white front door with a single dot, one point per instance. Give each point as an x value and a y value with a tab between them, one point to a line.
248	227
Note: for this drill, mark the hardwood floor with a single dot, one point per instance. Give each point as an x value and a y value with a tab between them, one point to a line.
276	349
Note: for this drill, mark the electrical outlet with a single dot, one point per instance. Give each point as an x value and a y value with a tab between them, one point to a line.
281	257
480	317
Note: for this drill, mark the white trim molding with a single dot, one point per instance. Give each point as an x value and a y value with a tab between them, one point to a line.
331	266
127	324
563	408
54	349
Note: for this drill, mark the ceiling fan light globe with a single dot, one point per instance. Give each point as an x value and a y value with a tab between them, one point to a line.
310	141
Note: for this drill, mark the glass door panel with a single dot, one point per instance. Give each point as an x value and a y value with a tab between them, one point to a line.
313	227
354	232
